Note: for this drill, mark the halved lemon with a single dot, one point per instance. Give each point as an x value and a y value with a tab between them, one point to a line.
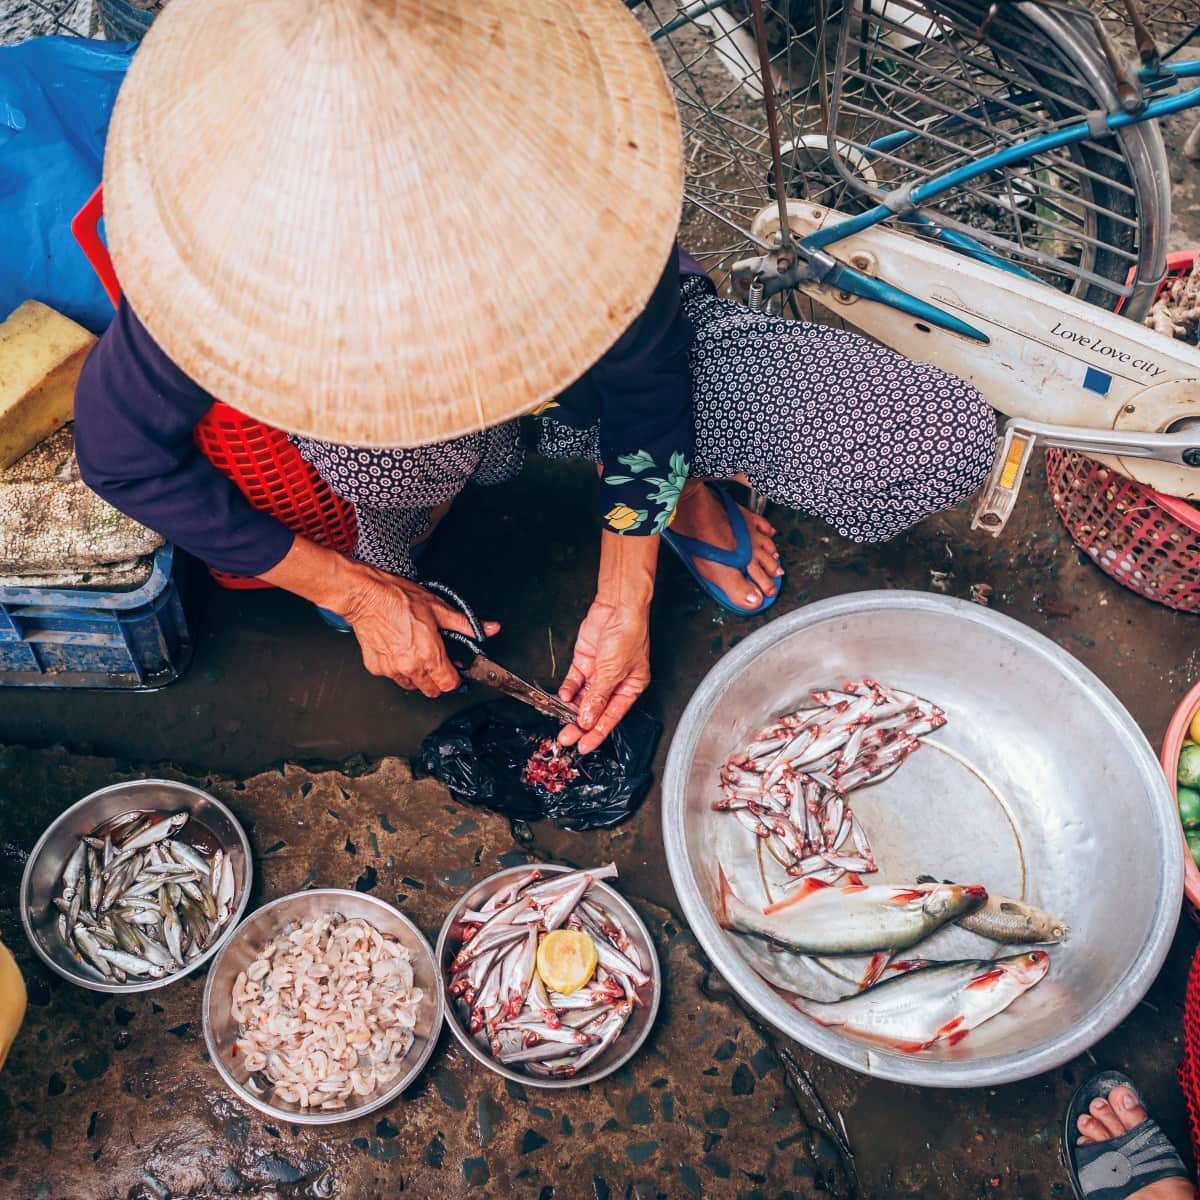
566	960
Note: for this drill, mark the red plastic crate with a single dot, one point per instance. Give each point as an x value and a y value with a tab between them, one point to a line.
260	460
1148	542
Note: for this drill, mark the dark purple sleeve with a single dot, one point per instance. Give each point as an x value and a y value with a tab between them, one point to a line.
134	415
646	431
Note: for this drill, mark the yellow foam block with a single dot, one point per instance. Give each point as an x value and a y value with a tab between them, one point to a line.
41	355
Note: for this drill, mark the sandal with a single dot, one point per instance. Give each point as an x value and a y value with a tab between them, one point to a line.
1116	1168
689	549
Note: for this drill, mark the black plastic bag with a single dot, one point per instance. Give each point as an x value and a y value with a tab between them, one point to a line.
481	755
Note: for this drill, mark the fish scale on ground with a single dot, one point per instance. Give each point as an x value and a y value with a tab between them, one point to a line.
137	901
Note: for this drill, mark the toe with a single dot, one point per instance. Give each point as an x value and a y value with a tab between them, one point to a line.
1090	1130
761	577
1125	1104
769	566
1103	1112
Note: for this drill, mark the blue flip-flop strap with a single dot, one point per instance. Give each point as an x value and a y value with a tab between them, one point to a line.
1116	1168
739	557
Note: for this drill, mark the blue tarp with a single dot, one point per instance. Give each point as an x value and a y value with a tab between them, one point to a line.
56	97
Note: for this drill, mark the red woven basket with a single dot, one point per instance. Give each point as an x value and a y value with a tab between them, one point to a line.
1146	541
268	470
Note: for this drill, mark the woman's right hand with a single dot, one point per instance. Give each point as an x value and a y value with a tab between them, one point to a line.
397	622
398	625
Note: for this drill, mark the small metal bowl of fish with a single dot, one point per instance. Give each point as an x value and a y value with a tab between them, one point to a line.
322	1007
842	765
551	976
136	885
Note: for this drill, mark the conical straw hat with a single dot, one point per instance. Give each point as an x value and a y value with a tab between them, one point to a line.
391	222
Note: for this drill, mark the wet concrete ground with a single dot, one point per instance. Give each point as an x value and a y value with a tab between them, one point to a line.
108	1098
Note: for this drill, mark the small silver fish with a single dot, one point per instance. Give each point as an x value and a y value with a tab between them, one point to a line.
1013	922
156	832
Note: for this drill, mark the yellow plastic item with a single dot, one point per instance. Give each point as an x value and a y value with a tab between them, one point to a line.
566	960
1194	727
41	355
12	1001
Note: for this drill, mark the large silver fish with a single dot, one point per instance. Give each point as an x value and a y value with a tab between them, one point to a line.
933	1002
1014	922
855	919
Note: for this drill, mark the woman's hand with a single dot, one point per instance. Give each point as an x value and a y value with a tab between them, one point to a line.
610	670
398	625
397	622
611	665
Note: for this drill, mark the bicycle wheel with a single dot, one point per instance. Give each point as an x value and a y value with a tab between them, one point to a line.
876	94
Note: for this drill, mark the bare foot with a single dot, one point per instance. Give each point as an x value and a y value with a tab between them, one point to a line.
702	516
1117	1115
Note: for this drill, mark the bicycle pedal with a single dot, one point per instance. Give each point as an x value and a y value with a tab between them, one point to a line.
1003	486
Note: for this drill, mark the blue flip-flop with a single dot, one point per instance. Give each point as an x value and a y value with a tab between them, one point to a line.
689	549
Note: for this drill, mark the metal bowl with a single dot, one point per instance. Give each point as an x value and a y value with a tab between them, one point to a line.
221	1030
40	882
637	1028
1040	787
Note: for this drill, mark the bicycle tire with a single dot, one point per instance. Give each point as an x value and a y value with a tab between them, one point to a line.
732	191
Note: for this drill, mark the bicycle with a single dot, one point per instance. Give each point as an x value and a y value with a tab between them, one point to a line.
977	183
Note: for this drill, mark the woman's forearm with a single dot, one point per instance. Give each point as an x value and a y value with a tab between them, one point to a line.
317	573
627	569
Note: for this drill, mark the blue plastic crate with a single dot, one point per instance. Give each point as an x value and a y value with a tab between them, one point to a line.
69	637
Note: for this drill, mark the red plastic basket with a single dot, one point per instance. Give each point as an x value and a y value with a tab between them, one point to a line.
268	470
1189	1066
1146	541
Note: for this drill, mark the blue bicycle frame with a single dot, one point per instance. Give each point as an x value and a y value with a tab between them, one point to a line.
905	205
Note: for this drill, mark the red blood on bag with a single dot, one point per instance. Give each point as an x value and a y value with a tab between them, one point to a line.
550	766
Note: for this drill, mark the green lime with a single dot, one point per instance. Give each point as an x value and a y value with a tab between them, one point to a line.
1189	807
1189	766
1193	841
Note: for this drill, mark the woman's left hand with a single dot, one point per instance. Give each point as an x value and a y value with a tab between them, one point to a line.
609	671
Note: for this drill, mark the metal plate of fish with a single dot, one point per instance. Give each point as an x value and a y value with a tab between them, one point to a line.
1039	787
633	1031
136	885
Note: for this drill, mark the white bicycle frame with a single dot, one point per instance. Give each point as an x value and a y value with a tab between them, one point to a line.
1065	372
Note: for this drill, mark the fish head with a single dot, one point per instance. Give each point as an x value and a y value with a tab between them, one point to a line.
945	901
1026	969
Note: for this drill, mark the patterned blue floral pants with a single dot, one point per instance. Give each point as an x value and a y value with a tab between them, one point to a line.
818	419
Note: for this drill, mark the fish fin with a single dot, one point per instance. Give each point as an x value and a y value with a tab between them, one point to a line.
724	891
901	966
875	968
802	892
907	895
958	1036
1007	906
950	1027
853	880
926	879
986	980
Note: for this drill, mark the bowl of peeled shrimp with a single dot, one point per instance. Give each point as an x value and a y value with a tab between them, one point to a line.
323	1006
551	977
922	839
